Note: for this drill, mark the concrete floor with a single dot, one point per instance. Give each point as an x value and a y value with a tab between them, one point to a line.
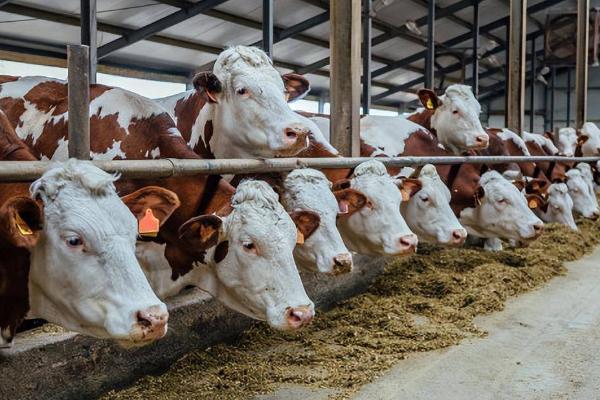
544	345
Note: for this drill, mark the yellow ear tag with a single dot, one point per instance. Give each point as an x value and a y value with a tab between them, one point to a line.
533	203
299	237
405	194
148	225
429	104
22	226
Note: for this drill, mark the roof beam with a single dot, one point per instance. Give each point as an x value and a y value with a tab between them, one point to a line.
4	2
157	26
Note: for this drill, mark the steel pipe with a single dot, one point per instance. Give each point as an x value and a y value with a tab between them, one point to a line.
19	171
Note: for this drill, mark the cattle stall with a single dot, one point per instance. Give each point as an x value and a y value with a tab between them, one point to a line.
375	55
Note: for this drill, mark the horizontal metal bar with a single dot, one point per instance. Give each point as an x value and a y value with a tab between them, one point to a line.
19	171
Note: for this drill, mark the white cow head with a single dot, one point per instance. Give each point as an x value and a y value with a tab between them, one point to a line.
377	228
84	274
588	137
250	266
584	198
566	141
558	206
428	212
456	118
503	211
324	250
250	109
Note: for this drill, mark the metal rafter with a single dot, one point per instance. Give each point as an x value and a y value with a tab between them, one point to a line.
157	26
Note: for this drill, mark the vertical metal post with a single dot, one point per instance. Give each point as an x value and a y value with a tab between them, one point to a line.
475	48
552	84
430	59
321	104
267	27
506	73
568	93
79	101
366	57
581	75
532	87
88	33
345	41
546	114
516	65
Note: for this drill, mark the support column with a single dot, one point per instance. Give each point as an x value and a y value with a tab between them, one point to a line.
79	101
552	87
515	94
581	75
532	87
345	42
430	59
475	48
267	27
366	56
568	93
88	33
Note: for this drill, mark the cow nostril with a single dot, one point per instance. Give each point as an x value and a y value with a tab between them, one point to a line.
342	263
458	235
144	320
481	139
291	134
538	227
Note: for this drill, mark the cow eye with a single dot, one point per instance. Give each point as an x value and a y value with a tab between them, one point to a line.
249	246
501	201
454	111
242	91
74	241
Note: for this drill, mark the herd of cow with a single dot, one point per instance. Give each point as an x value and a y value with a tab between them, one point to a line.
82	248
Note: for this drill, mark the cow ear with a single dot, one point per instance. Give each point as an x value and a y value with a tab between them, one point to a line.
349	201
537	186
341	184
306	222
201	232
429	99
21	220
296	86
208	83
479	194
409	187
520	184
152	206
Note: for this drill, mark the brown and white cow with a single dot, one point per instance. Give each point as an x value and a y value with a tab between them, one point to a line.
128	126
240	110
453	118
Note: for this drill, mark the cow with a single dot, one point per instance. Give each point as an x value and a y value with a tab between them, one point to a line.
557	206
240	110
378	228
428	213
588	140
453	118
75	263
565	141
125	125
583	195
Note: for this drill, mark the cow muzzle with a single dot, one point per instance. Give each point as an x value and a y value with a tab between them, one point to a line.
458	237
295	139
342	264
151	324
481	142
297	317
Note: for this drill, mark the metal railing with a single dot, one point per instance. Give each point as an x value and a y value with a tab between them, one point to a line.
18	171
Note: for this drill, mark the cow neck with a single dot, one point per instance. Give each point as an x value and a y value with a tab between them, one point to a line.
423	118
194	116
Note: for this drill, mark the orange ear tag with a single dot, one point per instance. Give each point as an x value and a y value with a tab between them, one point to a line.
533	203
429	104
148	225
22	226
299	237
405	195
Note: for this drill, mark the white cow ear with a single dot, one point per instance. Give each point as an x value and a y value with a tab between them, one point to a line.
409	187
296	86
21	221
201	232
429	99
207	82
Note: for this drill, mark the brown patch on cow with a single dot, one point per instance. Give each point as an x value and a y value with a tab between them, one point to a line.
423	118
187	110
221	251
7	78
12	148
13	108
49	95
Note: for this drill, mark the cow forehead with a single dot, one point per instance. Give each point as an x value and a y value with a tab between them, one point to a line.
590	128
461	96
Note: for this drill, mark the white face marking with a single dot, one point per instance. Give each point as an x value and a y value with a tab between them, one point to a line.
309	189
541	141
591	147
378	228
428	212
507	134
456	121
567	141
84	274
559	206
503	212
582	193
386	134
